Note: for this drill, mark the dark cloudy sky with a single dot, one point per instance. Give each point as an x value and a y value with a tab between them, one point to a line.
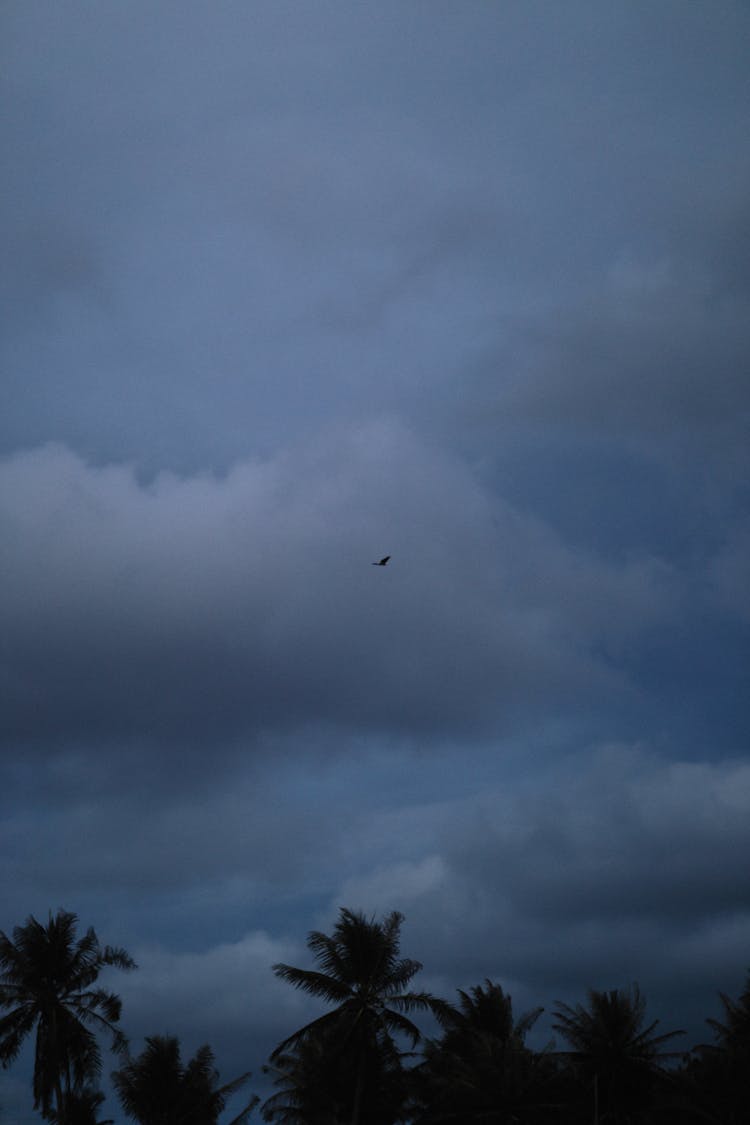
291	286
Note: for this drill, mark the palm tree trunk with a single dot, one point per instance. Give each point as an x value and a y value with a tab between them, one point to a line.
358	1089
61	1102
59	1096
596	1099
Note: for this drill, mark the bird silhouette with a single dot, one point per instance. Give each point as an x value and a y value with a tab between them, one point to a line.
383	561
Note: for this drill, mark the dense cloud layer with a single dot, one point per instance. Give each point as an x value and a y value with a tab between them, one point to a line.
290	288
229	605
615	866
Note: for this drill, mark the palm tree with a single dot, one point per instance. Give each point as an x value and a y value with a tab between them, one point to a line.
481	1069
734	1033
157	1089
362	974
614	1054
307	1080
486	1010
82	1108
717	1075
315	1082
46	979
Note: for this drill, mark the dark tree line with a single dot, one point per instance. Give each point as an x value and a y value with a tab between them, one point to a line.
365	1062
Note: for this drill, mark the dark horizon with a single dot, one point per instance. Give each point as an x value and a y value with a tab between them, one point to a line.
683	1071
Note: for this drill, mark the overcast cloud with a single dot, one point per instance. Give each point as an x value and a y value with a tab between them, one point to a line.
290	287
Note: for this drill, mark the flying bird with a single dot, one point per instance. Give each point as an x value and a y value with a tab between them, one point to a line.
383	562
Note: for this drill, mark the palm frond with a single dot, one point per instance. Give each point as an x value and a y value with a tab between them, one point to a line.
327	954
244	1115
231	1088
321	1024
109	1005
401	972
118	958
317	984
394	1021
14	1029
416	1002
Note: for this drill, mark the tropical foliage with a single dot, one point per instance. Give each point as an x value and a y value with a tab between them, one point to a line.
716	1079
362	975
47	979
156	1088
316	1081
364	1061
481	1070
614	1052
82	1107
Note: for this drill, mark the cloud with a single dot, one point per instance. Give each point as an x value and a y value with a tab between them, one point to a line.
283	238
223	990
652	363
225	995
614	865
588	869
224	606
288	291
728	572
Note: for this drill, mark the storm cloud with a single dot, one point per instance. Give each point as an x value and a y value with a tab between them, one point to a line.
287	289
195	605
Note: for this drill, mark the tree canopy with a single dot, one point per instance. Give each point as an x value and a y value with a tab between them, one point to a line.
47	980
365	1061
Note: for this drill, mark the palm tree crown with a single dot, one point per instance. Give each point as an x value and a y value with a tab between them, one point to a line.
480	1069
485	1010
614	1048
46	979
157	1089
611	1027
81	1107
733	1034
362	974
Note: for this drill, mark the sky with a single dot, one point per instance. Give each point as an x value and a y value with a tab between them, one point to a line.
289	287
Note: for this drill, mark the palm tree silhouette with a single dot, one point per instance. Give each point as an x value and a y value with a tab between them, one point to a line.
481	1069
613	1051
315	1083
307	1080
362	974
717	1075
46	979
485	1010
82	1108
733	1034
157	1089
